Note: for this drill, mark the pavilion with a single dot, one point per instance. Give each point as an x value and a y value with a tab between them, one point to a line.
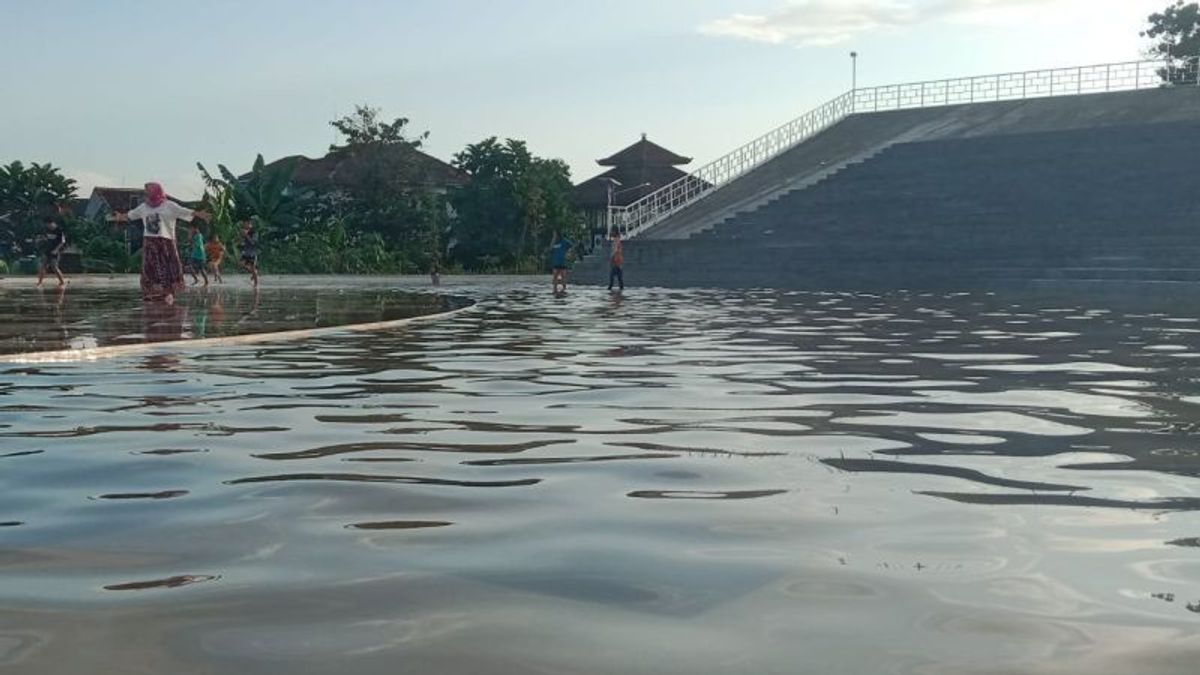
634	173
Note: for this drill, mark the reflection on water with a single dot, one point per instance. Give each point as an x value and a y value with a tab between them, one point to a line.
74	319
671	481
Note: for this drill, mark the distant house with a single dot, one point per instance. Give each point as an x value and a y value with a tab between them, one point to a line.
636	171
344	169
105	201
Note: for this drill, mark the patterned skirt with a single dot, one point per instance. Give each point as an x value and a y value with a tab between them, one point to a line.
162	271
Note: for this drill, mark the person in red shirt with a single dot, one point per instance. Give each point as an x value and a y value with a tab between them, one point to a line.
616	259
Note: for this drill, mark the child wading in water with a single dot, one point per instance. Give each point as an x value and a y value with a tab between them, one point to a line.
52	248
616	259
216	254
249	248
559	248
198	257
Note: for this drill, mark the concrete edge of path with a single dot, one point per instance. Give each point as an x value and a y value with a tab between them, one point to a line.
113	351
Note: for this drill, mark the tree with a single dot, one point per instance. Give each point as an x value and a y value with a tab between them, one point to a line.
363	129
379	187
507	210
1176	34
261	194
26	195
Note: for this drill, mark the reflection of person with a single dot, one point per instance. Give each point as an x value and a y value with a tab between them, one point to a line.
52	248
162	272
559	248
249	248
199	312
162	322
616	260
217	311
197	256
216	255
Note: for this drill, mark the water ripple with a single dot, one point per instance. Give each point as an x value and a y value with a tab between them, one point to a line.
659	481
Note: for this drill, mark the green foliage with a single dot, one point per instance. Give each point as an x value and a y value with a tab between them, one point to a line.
218	201
364	129
262	195
514	201
328	247
379	188
102	246
26	195
1176	34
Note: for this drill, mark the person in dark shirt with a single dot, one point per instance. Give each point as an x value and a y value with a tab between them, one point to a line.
249	250
52	248
559	248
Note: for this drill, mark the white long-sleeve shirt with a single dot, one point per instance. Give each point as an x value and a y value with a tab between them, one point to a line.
159	221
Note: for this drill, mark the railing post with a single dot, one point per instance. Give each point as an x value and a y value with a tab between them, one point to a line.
1079	81
1108	78
1025	84
972	90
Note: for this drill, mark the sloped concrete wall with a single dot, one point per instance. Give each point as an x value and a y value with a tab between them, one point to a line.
1103	187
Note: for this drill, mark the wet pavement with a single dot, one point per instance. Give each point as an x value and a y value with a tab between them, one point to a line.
100	313
655	482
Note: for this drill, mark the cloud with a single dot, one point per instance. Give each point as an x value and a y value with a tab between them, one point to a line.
829	22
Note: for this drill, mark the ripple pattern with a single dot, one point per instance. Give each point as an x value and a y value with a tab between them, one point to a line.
661	481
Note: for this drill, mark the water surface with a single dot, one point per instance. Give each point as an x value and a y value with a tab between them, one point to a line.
659	482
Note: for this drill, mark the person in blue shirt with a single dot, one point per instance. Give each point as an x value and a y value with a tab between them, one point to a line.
559	248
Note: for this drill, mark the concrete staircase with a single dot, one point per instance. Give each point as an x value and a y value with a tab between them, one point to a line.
1091	188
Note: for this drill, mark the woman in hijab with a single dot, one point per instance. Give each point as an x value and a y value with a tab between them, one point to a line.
162	271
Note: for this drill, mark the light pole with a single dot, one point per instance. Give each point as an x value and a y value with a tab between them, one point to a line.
610	183
853	71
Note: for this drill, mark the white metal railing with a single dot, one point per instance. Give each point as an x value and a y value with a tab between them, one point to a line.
635	218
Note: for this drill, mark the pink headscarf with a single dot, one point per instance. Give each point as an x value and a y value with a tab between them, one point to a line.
155	196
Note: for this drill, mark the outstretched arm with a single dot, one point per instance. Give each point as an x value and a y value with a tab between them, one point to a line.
186	214
135	214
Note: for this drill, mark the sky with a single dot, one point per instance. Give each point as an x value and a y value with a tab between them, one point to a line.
120	92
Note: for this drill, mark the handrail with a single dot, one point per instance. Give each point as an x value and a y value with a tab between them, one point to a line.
668	200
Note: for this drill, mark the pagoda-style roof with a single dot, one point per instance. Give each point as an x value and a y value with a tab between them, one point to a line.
644	153
632	183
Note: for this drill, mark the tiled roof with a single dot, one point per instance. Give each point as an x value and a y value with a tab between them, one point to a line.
644	153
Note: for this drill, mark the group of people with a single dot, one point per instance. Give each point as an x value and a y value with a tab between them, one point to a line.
561	246
162	269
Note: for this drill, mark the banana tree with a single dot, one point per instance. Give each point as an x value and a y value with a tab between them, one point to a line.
27	194
262	195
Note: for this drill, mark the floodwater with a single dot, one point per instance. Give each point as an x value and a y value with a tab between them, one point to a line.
109	315
655	482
